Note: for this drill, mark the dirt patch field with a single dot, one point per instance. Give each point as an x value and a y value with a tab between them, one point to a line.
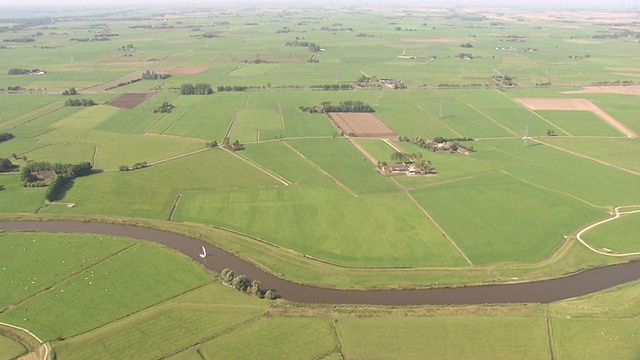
626	89
441	40
362	125
576	104
130	100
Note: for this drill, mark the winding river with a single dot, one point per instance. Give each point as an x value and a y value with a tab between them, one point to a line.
543	291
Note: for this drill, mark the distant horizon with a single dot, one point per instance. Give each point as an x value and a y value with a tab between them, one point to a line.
515	4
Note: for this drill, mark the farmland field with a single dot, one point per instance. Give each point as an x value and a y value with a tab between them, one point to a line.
528	122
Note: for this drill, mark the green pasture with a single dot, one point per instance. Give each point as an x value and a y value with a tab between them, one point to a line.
566	174
474	212
618	235
119	285
596	338
114	149
58	257
201	314
68	152
280	159
324	222
379	149
622	107
621	152
282	337
150	192
10	349
443	337
579	123
18	199
138	119
345	163
19	105
87	118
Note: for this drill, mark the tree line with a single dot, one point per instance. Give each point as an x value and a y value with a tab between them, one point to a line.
346	106
152	75
240	282
79	102
65	174
6	136
197	89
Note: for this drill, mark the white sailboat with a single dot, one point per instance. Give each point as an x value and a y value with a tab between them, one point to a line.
203	253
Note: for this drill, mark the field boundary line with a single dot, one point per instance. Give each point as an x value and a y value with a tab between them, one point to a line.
547	321
492	119
246	102
616	215
317	167
534	113
446	236
36	117
549	189
363	151
178	156
174	206
95	154
232	123
265	170
586	157
336	337
454	180
281	115
440	120
227	331
47	352
145	131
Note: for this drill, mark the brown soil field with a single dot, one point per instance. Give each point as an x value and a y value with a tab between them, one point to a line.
441	40
576	104
626	89
363	125
130	100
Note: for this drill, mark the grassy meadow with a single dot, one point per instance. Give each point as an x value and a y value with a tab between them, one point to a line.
508	210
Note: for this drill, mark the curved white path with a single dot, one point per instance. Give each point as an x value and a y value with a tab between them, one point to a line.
617	214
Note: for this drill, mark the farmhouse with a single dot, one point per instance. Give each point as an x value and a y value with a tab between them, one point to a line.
45	175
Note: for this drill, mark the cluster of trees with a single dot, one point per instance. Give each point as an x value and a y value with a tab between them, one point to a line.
71	91
27	173
466	45
347	106
6	136
136	166
21	39
123	83
240	282
197	89
58	187
14	88
152	75
6	165
309	45
440	143
165	108
466	56
232	88
504	79
79	102
333	87
17	71
128	47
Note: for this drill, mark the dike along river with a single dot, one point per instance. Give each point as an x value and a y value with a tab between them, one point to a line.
543	291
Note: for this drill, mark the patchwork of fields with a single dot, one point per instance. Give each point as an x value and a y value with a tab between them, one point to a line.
550	115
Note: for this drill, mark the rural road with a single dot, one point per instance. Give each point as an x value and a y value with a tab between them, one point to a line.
543	291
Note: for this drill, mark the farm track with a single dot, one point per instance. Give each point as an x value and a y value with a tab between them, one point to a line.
542	291
617	214
42	352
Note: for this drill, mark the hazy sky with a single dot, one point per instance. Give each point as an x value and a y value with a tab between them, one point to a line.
605	4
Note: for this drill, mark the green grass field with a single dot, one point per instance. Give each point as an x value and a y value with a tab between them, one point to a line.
512	206
10	349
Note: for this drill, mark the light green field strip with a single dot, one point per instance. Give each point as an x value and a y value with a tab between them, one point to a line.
330	226
167	328
150	192
596	338
10	349
307	338
622	152
259	167
443	337
538	220
87	118
101	294
18	109
580	123
17	199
